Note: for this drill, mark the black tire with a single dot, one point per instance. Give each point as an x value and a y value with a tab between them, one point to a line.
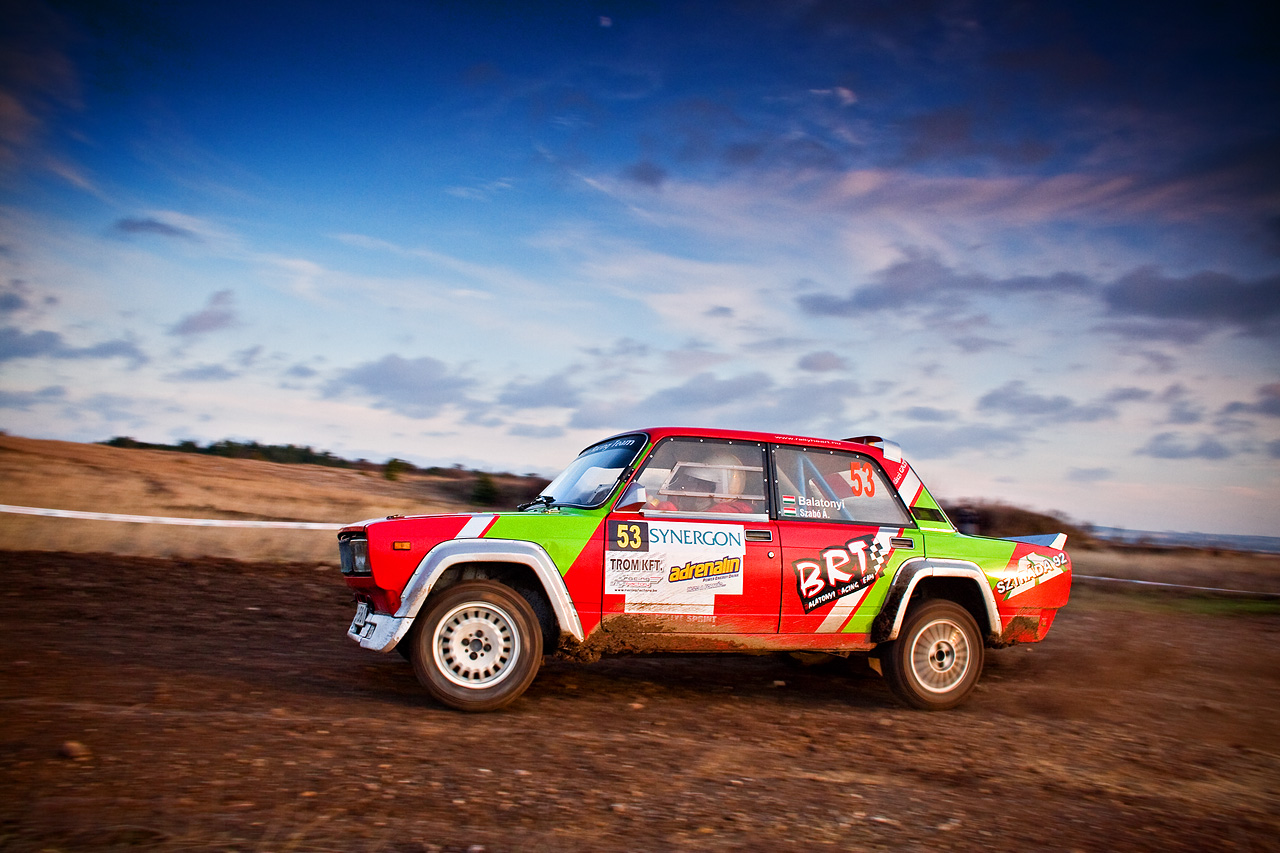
936	661
476	646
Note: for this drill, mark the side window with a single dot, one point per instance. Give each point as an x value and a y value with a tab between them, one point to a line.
704	476
828	485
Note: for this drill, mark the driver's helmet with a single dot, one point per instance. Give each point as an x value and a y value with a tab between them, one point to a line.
725	470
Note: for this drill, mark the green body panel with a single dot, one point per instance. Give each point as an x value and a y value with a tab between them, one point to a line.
562	533
926	500
870	607
991	555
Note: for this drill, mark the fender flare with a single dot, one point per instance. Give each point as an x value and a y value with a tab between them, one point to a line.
888	623
388	629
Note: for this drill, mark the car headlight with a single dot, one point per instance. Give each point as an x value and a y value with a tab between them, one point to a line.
355	556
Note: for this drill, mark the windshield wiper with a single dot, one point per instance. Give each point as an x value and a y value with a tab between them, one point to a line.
545	500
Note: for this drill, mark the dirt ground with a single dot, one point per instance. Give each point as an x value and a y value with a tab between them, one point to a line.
190	705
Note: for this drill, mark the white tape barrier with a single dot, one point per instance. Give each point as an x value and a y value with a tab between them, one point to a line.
316	525
155	519
1176	585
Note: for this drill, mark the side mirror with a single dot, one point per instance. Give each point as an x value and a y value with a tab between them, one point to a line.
633	499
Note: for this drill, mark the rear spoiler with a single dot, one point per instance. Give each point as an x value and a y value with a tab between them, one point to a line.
891	449
1051	540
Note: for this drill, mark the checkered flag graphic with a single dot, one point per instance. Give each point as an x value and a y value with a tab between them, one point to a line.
879	552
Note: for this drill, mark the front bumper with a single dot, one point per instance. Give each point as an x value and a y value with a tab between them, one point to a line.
379	631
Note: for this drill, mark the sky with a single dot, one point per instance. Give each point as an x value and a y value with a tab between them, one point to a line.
1037	244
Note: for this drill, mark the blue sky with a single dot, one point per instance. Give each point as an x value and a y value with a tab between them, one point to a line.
1037	245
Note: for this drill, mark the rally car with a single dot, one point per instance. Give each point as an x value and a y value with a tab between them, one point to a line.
669	540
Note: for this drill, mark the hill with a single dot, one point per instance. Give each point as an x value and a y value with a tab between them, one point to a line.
137	481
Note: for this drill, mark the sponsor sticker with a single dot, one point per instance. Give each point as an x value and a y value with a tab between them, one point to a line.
1033	569
671	566
841	570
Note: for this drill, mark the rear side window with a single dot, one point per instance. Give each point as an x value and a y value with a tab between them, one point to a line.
832	485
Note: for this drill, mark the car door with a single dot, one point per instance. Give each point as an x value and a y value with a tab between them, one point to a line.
700	555
842	529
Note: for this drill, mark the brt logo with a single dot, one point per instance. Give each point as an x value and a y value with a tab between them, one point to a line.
840	571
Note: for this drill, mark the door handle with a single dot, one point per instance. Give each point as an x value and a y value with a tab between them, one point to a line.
759	535
902	542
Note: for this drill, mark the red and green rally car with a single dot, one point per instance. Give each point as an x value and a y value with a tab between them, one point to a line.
669	540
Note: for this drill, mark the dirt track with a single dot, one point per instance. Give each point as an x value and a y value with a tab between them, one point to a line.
214	705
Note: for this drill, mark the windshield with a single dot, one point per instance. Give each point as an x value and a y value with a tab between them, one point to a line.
590	478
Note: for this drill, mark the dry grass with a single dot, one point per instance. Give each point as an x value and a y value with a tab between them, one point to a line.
94	478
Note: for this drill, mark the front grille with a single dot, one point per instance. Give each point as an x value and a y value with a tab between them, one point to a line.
354	553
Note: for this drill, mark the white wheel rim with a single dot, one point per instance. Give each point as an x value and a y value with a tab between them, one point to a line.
940	656
475	645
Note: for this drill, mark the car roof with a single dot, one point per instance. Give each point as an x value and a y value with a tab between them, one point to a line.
656	434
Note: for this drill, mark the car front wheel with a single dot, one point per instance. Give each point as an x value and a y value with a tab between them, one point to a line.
477	646
935	662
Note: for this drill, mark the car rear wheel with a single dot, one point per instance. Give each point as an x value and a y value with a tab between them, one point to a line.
935	662
477	646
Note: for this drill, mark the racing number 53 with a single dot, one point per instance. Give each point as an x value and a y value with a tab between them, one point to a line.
855	481
628	536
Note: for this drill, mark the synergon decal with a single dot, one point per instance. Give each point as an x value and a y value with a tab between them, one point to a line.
842	570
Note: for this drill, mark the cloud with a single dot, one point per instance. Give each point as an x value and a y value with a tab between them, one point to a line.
973	344
202	373
24	400
149	225
1273	449
1012	398
1182	410
844	96
747	401
416	387
530	431
15	343
945	442
109	349
1268	403
249	356
38	82
928	414
822	361
11	300
481	192
1089	475
646	173
623	348
922	279
1127	394
219	313
552	391
115	408
1205	300
1168	445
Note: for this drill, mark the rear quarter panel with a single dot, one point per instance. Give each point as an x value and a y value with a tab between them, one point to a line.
1028	582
